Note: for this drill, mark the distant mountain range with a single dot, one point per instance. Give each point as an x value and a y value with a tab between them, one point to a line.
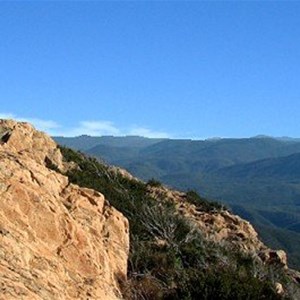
259	177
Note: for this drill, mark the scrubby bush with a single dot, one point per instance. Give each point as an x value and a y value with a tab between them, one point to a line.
202	203
169	258
154	183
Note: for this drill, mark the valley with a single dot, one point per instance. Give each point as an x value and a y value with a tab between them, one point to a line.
257	178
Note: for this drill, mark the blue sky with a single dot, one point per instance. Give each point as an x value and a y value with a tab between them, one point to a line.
173	68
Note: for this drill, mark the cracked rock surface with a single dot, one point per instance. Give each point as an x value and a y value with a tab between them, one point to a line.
57	240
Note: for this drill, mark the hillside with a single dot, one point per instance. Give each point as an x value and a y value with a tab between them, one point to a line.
284	168
64	233
257	177
183	246
180	155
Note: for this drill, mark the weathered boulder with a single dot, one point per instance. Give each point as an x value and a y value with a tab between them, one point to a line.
57	240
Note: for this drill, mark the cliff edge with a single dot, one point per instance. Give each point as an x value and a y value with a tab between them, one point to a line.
57	240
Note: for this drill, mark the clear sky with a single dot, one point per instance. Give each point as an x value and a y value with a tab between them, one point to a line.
172	68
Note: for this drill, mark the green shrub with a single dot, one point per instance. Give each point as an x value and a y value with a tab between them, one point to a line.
169	258
154	183
202	203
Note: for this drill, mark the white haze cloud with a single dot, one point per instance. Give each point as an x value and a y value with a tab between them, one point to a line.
43	125
93	128
148	133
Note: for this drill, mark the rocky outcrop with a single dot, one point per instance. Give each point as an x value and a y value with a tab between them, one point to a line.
60	241
57	241
223	227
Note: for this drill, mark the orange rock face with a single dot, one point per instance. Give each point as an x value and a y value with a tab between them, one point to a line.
57	241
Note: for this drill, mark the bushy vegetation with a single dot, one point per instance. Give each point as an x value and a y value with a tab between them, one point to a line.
50	165
169	257
154	183
201	203
259	178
